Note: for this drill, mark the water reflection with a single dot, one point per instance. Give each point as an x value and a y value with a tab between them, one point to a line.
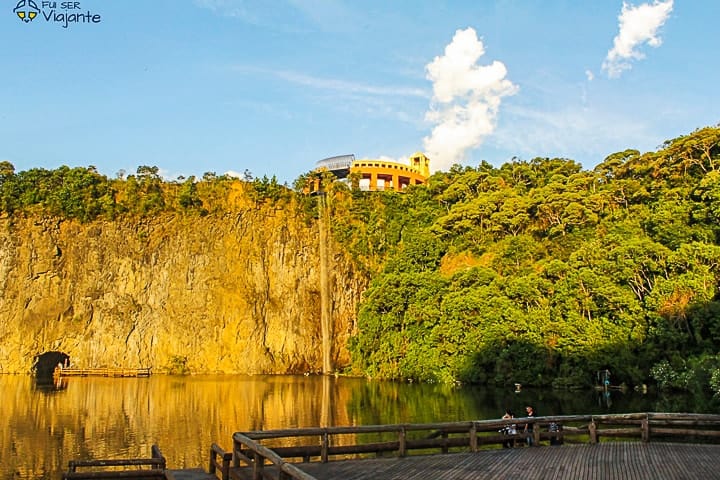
43	426
50	384
604	398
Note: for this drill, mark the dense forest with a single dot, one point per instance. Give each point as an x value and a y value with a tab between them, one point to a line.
536	272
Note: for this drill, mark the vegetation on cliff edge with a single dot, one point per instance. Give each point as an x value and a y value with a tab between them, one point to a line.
536	272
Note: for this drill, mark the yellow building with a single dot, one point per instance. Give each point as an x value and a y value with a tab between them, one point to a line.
378	175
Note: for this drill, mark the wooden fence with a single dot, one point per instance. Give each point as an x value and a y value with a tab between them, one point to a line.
102	372
152	468
252	451
220	461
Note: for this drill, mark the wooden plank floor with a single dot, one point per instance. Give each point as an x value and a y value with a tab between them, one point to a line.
189	474
604	461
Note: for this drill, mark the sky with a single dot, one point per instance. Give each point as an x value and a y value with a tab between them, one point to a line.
228	86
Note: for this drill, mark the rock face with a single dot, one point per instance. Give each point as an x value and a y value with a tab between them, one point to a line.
228	293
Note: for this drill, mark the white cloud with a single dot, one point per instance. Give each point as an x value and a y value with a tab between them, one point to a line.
638	25
590	75
331	15
466	99
348	87
228	8
334	84
356	98
165	173
583	133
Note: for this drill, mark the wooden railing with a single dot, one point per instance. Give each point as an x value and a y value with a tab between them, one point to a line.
256	456
108	469
102	372
322	444
220	460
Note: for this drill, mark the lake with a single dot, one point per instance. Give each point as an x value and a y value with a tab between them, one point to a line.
42	427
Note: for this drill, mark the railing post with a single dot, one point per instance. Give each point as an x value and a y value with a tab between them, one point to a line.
324	448
236	450
473	437
226	466
445	447
258	466
645	429
536	435
592	430
155	453
216	451
213	456
402	442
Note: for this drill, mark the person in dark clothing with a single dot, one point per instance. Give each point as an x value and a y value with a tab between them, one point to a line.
529	427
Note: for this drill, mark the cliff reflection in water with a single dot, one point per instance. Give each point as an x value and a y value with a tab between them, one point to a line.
43	427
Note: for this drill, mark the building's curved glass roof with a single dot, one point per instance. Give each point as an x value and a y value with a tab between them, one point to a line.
339	162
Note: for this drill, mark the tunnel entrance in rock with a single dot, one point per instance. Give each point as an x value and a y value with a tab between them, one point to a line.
45	363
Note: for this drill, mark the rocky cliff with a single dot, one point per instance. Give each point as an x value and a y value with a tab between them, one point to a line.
237	292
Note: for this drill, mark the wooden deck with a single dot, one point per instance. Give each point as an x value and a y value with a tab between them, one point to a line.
614	446
102	372
607	461
635	445
189	474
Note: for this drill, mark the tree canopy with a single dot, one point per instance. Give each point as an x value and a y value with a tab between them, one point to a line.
536	272
539	272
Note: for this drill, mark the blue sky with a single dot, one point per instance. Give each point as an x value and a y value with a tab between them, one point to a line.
194	86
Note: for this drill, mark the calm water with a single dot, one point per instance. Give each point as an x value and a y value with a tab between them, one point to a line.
42	428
